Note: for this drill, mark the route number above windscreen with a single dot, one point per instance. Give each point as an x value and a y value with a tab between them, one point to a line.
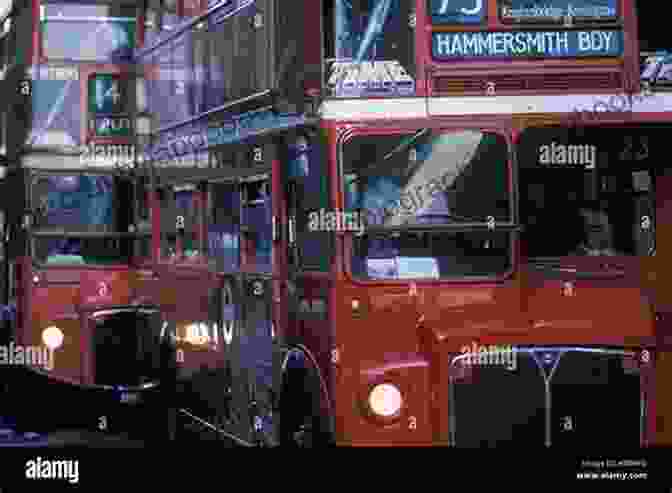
457	11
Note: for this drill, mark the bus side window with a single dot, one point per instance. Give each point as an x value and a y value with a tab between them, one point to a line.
256	219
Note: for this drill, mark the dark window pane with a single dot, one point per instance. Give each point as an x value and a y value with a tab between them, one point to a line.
596	183
427	178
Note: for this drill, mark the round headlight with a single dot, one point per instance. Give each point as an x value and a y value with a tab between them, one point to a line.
52	337
385	400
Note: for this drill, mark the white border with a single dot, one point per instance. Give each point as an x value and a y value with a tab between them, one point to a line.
400	108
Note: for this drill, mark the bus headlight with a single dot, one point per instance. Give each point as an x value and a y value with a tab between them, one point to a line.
52	337
385	400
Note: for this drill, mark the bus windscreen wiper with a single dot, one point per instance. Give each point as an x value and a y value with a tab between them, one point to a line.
400	148
449	216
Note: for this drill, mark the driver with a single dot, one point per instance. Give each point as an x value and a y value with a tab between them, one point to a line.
598	238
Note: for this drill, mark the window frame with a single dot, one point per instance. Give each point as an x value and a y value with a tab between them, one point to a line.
115	235
512	227
601	194
345	137
169	238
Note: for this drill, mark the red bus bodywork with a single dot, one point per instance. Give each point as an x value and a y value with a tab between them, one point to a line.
405	332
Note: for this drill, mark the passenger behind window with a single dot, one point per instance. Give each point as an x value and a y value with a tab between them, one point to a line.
598	238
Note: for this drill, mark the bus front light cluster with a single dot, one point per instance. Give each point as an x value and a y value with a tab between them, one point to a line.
385	400
52	337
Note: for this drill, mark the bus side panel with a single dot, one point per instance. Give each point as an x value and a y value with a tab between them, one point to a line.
663	264
663	299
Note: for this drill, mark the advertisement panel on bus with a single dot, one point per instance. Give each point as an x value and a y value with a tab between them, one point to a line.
374	49
520	35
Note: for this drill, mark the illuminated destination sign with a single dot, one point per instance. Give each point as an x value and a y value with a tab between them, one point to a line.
457	11
111	126
448	46
557	10
108	106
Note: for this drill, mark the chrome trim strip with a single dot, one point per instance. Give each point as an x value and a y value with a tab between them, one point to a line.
216	429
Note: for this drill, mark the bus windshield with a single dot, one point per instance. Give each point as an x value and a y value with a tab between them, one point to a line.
587	192
424	200
77	204
557	10
427	178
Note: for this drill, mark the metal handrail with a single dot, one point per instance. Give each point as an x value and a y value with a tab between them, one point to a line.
216	429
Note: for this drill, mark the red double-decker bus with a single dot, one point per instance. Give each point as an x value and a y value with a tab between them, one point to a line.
488	274
440	240
504	260
76	333
469	218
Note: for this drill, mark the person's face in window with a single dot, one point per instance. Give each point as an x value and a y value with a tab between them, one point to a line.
597	228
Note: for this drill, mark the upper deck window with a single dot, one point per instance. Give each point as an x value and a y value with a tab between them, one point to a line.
552	11
87	32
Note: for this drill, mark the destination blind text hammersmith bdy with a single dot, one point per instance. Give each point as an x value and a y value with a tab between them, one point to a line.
557	44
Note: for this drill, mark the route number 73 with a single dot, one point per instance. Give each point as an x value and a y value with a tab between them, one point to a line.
444	7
